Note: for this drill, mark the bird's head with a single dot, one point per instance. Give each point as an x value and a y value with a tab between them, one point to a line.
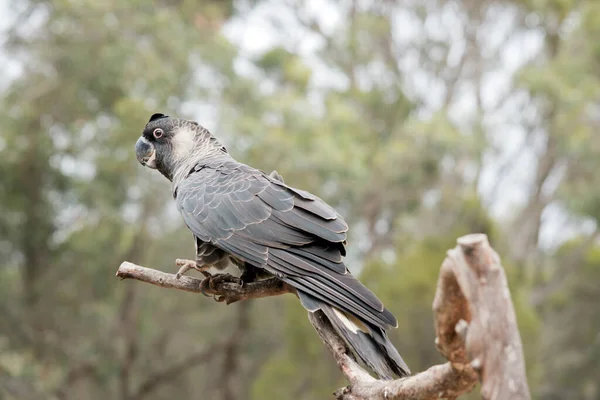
171	144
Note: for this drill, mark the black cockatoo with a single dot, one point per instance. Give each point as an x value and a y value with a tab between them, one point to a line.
240	215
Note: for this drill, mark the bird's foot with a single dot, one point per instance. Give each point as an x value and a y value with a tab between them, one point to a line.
210	283
186	265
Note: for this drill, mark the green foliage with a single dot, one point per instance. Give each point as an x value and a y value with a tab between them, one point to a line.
404	173
571	306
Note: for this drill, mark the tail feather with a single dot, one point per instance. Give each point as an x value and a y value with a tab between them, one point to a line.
369	343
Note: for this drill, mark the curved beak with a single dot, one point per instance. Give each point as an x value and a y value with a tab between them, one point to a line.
145	153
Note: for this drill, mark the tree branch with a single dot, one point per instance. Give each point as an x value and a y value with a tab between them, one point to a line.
473	315
227	291
440	381
492	340
472	288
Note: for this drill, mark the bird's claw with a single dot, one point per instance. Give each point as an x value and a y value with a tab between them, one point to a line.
205	283
186	265
210	283
222	278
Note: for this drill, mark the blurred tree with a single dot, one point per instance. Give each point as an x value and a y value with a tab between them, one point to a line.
75	204
416	120
570	371
422	162
566	88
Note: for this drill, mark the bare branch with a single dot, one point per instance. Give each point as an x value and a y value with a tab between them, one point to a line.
223	291
473	315
493	343
440	381
344	358
471	289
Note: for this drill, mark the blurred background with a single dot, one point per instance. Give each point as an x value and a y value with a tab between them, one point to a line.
419	120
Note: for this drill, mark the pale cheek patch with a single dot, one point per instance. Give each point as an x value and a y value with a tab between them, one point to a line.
183	143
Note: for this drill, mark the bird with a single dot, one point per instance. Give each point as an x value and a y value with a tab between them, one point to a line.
241	216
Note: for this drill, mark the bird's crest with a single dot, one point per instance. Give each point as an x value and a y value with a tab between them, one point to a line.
156	116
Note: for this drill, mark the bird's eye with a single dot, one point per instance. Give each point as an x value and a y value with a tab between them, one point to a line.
158	133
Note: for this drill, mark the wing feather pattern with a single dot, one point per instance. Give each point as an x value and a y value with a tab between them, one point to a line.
288	232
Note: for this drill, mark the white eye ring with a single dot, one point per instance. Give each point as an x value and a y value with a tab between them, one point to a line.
158	133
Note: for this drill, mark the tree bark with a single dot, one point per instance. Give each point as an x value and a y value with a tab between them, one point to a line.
475	319
227	291
473	315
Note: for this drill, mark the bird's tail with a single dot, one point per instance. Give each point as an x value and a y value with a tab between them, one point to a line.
369	343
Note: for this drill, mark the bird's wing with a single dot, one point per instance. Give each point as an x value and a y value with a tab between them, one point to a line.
291	233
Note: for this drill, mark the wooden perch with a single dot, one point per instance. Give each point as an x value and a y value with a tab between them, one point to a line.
473	315
475	319
227	290
476	331
440	381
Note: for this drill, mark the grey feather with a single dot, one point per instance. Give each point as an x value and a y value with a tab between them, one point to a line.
292	234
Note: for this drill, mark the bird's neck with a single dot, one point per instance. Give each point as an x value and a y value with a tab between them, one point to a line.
206	152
